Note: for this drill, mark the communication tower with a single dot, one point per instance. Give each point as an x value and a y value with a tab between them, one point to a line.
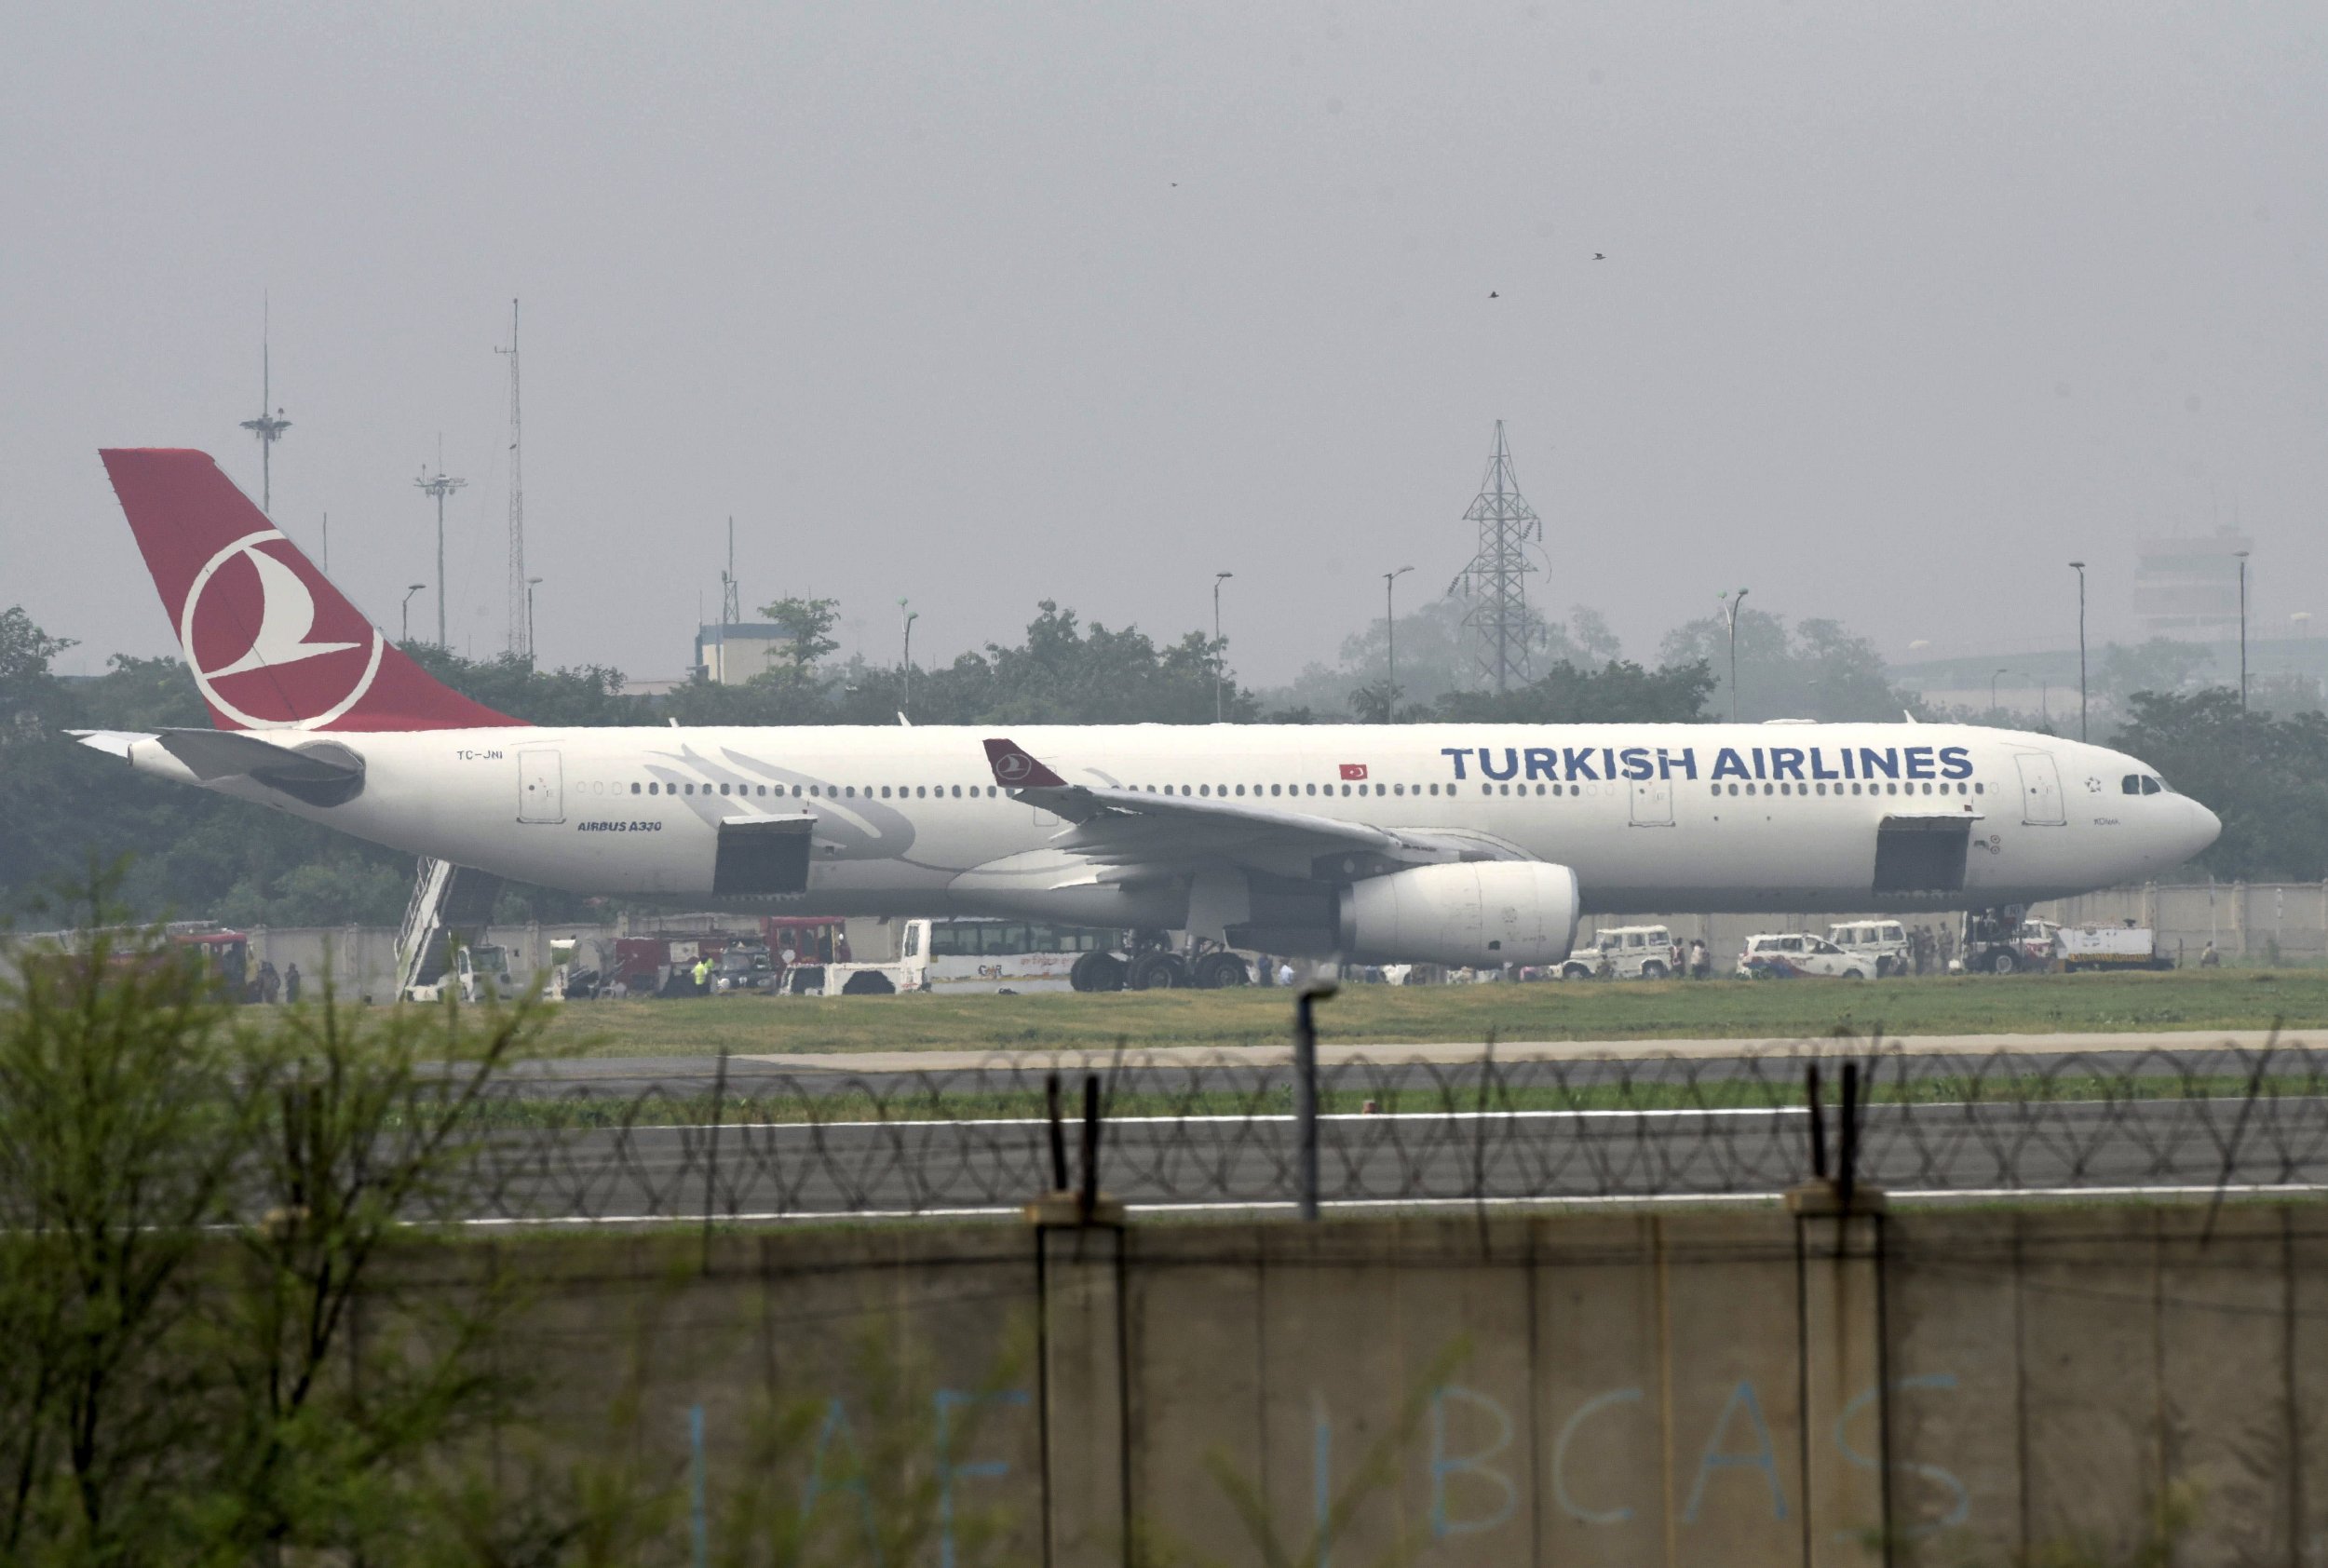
268	427
520	623
1495	581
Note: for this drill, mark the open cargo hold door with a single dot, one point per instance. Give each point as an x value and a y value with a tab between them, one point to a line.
1922	854
763	856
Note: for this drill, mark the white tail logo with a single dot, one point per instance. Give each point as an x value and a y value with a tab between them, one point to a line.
287	618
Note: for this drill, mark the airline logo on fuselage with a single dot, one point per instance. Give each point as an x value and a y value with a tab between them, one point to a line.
1573	764
250	616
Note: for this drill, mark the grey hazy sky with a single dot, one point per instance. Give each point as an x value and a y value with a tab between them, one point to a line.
1905	304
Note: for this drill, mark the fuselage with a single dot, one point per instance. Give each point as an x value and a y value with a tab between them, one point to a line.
1653	818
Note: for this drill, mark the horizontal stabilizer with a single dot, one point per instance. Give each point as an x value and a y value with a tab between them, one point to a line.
320	772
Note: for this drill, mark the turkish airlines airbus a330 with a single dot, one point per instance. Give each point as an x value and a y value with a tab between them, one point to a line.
1456	844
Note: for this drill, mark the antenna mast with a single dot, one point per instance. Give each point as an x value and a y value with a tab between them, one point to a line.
521	624
1496	582
731	592
268	427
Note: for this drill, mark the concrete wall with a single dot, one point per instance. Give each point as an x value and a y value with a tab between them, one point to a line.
1718	1388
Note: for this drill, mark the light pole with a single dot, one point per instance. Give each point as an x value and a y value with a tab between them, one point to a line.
2243	555
1732	605
407	610
1218	578
531	584
1992	694
2081	567
1390	643
439	488
905	701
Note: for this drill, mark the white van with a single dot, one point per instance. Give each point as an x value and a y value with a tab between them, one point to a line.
1626	952
1883	942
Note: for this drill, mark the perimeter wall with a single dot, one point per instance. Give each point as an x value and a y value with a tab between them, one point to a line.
1703	1386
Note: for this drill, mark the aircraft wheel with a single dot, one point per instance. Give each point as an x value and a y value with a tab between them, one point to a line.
1217	972
1157	971
1097	972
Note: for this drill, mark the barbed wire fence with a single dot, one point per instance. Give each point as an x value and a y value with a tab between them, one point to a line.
1223	1132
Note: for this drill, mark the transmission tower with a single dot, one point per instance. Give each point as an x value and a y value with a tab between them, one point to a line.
438	487
1495	581
268	427
521	624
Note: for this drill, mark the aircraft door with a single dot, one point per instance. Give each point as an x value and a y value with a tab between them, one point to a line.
2040	789
1653	802
541	787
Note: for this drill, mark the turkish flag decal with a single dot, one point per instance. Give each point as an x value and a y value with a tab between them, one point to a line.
1352	771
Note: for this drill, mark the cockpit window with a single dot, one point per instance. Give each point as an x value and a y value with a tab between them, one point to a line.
2130	784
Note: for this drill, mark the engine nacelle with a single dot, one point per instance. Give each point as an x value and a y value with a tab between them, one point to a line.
1480	913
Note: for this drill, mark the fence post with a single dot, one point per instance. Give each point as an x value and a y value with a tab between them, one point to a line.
1085	1406
712	1156
1305	1091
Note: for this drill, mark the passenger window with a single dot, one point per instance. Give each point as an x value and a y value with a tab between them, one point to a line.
634	788
691	788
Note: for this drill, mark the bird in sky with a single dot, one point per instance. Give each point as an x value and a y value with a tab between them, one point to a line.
1492	294
1600	255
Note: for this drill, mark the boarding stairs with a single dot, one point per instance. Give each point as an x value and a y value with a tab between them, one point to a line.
449	902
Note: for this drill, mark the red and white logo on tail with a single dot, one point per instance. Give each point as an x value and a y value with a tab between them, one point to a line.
271	643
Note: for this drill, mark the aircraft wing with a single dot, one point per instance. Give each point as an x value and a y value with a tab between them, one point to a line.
1131	829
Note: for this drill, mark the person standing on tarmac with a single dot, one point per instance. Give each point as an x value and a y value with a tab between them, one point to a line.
703	976
290	984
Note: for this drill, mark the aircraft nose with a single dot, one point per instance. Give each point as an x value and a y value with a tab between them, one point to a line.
2205	828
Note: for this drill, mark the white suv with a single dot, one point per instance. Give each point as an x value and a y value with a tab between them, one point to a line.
1882	943
1625	953
1795	954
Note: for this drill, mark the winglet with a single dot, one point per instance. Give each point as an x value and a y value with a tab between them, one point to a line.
1014	769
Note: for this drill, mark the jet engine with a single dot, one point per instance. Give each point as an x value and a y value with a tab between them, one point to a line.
1479	914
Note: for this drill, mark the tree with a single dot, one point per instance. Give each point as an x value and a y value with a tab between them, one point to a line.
1819	670
191	1205
1619	692
808	622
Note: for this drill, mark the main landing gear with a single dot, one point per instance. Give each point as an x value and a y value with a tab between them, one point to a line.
1153	966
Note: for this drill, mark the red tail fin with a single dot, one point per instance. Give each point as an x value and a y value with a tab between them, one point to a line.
271	643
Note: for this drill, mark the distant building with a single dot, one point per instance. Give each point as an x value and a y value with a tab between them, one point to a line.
732	654
2189	586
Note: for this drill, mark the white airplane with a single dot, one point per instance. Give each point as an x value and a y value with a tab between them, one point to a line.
1456	844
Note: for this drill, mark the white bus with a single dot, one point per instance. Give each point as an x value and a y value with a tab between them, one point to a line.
976	956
